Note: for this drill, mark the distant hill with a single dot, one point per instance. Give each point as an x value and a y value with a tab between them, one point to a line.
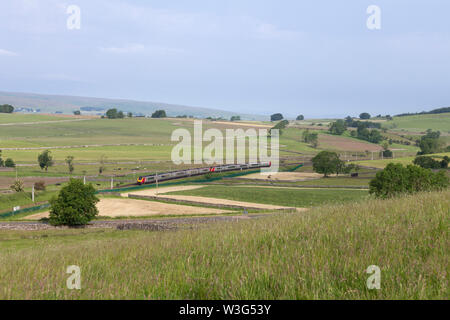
434	111
29	102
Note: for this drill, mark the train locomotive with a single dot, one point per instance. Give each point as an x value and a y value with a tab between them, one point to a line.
198	171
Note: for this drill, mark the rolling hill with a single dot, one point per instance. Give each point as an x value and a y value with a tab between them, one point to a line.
67	104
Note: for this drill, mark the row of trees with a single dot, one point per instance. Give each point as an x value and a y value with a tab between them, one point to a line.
8	163
430	163
430	143
396	179
45	160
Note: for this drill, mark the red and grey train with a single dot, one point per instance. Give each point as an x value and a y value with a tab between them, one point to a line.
199	171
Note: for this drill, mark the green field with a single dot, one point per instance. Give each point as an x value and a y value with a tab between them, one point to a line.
420	123
319	254
278	196
18	118
404	160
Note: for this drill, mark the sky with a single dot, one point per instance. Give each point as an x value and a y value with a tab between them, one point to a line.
316	58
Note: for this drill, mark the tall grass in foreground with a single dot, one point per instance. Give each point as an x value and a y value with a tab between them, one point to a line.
320	254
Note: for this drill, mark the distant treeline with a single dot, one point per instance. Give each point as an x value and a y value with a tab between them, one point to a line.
6	108
435	111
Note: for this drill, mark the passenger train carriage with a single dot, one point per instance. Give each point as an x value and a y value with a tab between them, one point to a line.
200	171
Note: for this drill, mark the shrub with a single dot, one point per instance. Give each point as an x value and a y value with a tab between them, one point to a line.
75	204
427	162
9	163
396	179
39	186
18	186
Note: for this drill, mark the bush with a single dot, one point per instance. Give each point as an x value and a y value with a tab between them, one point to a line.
39	186
396	179
18	186
427	162
75	205
300	117
387	153
9	163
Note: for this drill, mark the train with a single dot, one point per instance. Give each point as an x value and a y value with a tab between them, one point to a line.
153	178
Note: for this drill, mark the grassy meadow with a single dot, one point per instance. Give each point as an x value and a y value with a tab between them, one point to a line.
294	197
319	254
403	160
420	123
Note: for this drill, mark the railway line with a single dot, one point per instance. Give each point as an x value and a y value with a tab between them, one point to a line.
186	173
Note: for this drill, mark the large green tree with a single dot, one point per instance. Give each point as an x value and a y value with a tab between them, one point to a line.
75	205
327	162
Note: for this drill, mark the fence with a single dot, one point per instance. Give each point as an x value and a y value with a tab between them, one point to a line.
24	210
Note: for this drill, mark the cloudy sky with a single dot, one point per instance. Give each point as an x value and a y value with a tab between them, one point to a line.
316	57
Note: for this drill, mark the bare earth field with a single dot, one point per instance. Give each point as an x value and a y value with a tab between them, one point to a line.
346	144
139	208
283	176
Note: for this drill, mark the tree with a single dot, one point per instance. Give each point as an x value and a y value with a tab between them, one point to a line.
1	160
159	114
276	117
430	163
69	161
120	115
396	179
130	115
386	152
6	108
430	143
327	162
311	138
9	163
111	113
45	160
364	116
235	118
338	127
75	205
300	117
77	112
